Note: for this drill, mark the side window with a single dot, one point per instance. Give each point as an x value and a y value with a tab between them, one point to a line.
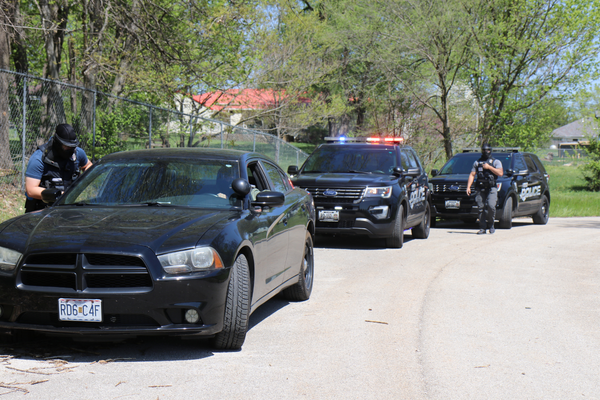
530	164
412	155
279	185
519	163
410	159
256	177
539	164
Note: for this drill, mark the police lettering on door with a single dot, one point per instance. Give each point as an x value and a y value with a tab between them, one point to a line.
530	191
417	197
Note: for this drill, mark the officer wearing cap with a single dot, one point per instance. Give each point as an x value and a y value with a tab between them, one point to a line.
486	169
55	164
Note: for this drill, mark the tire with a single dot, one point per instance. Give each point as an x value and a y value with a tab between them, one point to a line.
397	239
506	217
237	308
421	231
301	290
542	215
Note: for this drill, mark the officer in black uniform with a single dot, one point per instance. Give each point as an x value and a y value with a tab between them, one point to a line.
486	169
55	164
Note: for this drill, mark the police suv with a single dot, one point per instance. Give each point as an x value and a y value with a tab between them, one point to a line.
367	186
522	190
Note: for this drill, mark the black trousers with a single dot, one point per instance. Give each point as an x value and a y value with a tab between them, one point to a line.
486	203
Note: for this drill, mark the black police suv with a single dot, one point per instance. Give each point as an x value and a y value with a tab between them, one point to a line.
522	190
367	186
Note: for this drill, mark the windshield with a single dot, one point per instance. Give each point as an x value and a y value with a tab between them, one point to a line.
464	164
191	183
351	159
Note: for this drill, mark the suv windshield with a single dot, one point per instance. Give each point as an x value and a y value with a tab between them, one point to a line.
192	183
351	159
464	164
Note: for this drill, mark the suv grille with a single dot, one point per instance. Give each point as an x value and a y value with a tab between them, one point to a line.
342	195
450	188
81	271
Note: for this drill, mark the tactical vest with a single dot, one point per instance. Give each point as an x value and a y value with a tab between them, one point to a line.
485	178
55	176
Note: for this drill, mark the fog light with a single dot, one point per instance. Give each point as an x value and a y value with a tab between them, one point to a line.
192	316
380	212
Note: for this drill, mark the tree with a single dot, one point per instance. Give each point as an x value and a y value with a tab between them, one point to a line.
525	50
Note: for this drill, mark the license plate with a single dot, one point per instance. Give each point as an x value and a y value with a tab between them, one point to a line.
453	204
329	216
88	310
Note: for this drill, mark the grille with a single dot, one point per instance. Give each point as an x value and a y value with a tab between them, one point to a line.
446	188
51	319
343	195
81	271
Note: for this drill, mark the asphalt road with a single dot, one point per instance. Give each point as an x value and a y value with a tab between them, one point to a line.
514	315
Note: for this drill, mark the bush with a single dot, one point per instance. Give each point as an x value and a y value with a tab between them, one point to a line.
591	170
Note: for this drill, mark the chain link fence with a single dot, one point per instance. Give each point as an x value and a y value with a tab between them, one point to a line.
31	107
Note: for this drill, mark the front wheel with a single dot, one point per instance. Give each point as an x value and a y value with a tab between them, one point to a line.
506	217
303	288
542	215
421	231
237	307
397	239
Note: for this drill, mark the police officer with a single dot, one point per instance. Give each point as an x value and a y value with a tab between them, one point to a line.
55	164
486	169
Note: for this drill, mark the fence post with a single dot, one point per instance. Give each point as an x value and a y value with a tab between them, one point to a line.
94	129
150	130
221	134
24	132
253	141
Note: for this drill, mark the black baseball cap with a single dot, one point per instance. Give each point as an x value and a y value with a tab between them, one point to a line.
66	135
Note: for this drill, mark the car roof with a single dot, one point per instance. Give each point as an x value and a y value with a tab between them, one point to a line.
184	152
365	145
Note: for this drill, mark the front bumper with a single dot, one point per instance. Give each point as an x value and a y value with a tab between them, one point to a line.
358	219
158	311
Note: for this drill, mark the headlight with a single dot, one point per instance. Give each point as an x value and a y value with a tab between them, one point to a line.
383	192
183	262
9	259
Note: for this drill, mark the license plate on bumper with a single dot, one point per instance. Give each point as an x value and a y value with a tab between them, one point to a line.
329	216
87	310
453	204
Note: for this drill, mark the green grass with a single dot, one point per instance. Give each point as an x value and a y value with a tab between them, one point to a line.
568	195
12	203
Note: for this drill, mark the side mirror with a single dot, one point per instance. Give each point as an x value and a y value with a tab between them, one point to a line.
270	199
292	169
510	172
240	186
49	196
413	172
434	172
397	171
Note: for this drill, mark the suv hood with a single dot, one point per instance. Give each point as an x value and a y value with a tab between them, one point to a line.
449	179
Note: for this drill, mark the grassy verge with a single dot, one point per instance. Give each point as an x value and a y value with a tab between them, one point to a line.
12	203
569	198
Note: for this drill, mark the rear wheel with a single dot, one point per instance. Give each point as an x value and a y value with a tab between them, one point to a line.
237	308
542	215
421	231
397	239
301	291
506	217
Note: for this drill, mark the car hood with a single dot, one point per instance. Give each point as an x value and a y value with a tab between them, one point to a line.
160	229
449	179
337	179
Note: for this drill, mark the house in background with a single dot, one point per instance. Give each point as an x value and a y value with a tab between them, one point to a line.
577	131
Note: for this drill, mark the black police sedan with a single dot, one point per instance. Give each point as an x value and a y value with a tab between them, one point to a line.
522	190
375	187
165	241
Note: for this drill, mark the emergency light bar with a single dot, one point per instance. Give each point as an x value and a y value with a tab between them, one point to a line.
343	139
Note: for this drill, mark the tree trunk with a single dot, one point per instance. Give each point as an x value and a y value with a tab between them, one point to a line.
5	158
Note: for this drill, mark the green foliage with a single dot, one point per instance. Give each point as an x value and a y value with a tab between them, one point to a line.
569	197
591	170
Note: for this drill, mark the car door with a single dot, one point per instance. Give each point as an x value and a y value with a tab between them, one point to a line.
416	187
271	246
519	182
533	192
